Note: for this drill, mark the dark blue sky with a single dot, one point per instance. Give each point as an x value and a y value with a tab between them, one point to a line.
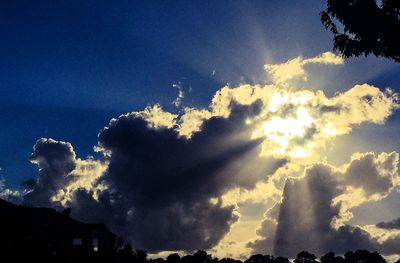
67	67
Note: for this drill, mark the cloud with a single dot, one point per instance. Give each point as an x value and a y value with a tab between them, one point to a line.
8	194
181	95
55	161
296	123
388	239
155	117
368	177
313	205
394	224
155	187
61	173
167	181
294	68
374	174
172	202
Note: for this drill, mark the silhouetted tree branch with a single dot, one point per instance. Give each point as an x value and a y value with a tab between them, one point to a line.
361	27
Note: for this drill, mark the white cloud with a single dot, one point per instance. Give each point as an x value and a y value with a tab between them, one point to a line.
294	68
181	95
8	194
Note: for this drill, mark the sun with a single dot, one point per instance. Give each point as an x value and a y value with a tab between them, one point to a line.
281	132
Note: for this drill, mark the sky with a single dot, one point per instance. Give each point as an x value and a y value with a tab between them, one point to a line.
222	125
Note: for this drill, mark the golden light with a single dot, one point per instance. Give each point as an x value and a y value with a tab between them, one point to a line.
281	131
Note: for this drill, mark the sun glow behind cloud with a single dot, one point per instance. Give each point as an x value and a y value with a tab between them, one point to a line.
282	130
279	130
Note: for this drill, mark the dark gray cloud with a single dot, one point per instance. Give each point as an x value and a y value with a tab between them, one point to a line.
160	185
55	160
390	246
394	224
373	175
307	210
330	108
167	181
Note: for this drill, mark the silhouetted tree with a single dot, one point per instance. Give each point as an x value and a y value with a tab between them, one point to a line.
331	258
328	258
125	254
281	260
258	258
186	259
229	260
305	257
66	212
201	256
120	243
367	27
173	258
157	260
364	256
140	256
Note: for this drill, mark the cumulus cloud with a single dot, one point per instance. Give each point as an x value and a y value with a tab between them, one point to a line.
388	239
293	122
313	205
8	194
171	202
294	68
394	224
169	181
369	177
61	173
160	190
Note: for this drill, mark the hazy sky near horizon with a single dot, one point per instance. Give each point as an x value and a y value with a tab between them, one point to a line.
68	67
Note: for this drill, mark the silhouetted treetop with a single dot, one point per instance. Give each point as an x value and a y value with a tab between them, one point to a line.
331	258
305	257
258	258
281	260
173	258
364	27
364	256
229	260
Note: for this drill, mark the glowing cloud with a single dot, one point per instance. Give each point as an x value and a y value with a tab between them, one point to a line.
294	68
6	193
62	174
295	122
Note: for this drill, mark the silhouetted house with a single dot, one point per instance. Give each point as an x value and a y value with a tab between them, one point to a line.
45	229
91	236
